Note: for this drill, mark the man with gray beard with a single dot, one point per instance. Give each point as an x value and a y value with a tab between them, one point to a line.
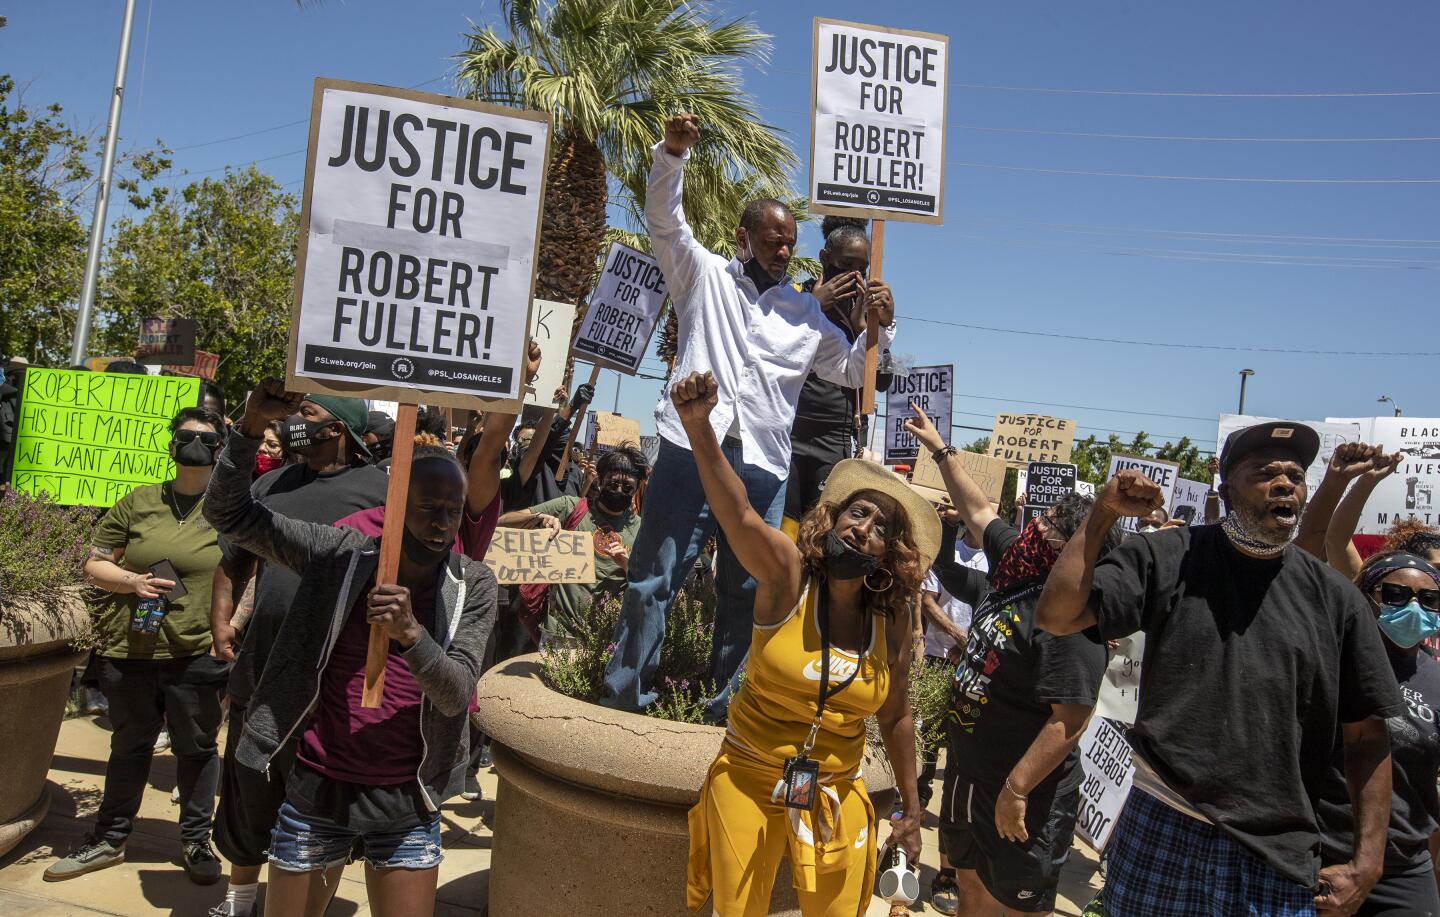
1256	655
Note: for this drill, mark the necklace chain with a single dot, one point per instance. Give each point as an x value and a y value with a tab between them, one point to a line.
175	502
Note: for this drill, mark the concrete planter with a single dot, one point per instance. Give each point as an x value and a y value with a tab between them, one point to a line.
591	812
36	664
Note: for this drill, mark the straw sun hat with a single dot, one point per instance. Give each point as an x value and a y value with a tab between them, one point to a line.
854	475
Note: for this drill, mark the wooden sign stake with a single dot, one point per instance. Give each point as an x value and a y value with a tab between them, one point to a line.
574	431
872	323
391	540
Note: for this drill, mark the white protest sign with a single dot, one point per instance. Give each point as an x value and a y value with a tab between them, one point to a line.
550	324
1158	470
624	307
1413	491
1109	774
1188	501
1332	433
932	388
877	135
417	247
1119	697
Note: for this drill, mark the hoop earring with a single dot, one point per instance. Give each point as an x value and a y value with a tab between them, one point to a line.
889	580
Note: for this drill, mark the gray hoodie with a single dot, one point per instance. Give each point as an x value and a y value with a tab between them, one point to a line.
335	566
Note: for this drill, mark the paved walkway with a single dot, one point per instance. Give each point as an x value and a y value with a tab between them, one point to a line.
151	881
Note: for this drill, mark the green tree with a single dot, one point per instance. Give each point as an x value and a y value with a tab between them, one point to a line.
608	71
222	254
1092	457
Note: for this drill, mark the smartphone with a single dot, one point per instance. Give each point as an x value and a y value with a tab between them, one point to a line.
166	570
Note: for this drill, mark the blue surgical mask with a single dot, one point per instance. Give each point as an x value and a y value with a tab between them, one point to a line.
1408	624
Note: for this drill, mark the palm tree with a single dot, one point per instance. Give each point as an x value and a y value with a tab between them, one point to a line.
608	72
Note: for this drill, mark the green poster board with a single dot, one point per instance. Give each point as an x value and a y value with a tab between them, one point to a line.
88	439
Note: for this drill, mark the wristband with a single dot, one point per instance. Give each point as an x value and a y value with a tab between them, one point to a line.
1014	792
939	454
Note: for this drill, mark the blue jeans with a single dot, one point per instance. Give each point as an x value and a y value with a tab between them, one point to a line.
674	526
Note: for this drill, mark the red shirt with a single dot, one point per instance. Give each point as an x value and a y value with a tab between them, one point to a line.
376	746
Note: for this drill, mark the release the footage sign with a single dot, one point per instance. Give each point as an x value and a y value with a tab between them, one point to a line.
418	259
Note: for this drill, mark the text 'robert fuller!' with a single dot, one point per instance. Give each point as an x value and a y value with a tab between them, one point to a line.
868	154
381	281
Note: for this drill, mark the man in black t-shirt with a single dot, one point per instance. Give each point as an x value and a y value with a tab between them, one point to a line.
1256	655
332	481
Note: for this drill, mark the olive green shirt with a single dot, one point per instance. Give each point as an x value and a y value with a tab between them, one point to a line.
566	604
143	523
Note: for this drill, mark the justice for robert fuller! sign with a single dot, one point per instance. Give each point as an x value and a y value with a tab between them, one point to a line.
418	250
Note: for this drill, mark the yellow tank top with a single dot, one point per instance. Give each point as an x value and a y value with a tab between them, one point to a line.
771	715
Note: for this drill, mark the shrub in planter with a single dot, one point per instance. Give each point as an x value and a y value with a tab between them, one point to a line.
44	627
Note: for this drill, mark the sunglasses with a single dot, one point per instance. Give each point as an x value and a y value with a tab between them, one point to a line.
1398	596
625	488
185	437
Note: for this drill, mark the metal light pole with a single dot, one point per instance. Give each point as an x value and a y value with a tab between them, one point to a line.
102	197
618	377
1244	375
1384	398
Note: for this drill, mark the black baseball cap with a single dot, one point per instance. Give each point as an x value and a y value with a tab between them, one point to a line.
1297	437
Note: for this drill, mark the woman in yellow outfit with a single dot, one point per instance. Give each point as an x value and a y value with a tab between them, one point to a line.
833	619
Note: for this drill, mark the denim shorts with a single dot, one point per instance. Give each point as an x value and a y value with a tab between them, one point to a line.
306	843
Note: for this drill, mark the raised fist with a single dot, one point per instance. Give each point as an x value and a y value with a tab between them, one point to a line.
682	131
695	397
1130	493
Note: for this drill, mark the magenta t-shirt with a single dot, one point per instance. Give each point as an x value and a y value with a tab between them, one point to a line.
377	746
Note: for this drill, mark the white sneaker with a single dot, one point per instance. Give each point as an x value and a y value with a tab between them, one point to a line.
175	796
162	741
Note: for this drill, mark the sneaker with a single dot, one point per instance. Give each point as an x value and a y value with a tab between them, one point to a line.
945	894
95	703
485	756
230	909
92	854
472	789
175	796
162	741
201	863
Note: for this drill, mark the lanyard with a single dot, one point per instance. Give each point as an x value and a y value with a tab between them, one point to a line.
823	601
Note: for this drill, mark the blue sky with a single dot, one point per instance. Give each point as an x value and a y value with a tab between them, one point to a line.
1285	265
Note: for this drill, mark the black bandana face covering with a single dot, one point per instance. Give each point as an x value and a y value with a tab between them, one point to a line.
843	561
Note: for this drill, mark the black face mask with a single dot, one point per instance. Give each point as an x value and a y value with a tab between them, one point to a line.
843	561
301	433
380	451
613	501
420	553
761	277
195	454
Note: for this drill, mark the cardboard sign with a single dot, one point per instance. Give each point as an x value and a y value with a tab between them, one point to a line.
1413	491
520	556
417	247
1020	439
624	307
550	324
930	387
608	431
987	472
88	439
205	366
1109	774
166	341
1188	503
1046	484
877	134
1158	470
1332	433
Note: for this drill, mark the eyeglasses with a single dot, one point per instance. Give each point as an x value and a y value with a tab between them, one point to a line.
185	437
1398	596
1052	533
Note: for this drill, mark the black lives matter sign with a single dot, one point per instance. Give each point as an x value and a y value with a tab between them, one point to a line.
624	307
422	214
878	122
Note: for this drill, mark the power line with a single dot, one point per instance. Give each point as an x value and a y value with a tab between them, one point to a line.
1181	137
1216	178
1246	237
1081	407
1223	347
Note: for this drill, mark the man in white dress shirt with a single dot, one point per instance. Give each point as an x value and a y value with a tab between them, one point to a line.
742	320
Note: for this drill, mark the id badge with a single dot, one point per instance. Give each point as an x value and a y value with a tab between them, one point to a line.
802	776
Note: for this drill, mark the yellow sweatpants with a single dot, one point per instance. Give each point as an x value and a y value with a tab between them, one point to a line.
738	835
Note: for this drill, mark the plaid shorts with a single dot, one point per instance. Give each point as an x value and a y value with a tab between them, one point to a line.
1160	861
